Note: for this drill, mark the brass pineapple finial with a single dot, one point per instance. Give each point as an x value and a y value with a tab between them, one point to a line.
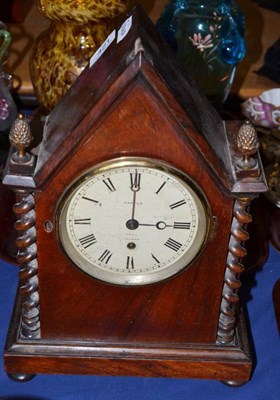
247	142
20	137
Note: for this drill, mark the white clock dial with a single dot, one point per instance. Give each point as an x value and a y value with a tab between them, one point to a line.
132	222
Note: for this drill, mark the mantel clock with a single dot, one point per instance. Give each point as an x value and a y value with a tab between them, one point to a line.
131	223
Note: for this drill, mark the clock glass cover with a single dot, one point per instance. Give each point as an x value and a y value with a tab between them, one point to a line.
132	221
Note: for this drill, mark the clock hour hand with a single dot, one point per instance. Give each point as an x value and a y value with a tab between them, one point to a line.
133	224
159	225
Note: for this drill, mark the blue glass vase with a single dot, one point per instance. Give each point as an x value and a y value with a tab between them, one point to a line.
208	38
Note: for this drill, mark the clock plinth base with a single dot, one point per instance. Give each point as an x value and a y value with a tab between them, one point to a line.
227	363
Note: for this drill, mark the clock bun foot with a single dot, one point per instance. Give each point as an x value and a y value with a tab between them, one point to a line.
21	377
233	383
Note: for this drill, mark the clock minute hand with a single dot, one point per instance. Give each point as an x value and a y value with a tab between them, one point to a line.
133	205
135	187
135	182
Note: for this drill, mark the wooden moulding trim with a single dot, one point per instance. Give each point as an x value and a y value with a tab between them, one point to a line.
201	362
239	372
238	351
127	351
32	356
25	355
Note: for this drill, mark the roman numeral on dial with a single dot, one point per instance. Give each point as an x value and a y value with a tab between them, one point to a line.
173	244
129	263
88	240
160	188
89	199
135	180
109	184
177	204
82	221
182	225
105	256
156	260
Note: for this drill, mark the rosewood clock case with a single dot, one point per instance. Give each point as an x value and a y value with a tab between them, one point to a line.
135	101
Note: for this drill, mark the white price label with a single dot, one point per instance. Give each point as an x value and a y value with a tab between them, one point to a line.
102	48
124	29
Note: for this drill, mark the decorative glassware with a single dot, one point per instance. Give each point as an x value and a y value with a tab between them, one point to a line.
8	112
78	28
8	108
264	113
208	38
264	110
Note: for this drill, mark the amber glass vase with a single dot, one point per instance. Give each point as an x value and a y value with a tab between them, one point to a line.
78	28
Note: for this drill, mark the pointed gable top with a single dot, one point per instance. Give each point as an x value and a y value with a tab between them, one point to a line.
136	34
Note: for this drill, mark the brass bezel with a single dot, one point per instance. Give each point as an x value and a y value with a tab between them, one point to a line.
141	162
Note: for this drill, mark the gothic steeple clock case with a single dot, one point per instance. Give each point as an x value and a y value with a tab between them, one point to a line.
131	222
